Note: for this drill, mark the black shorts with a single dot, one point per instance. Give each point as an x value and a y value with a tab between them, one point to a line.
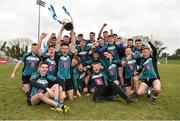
149	82
26	79
66	84
102	91
127	82
29	101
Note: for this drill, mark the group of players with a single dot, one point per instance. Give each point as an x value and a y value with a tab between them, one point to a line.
107	67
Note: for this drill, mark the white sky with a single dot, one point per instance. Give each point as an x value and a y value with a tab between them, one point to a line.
126	17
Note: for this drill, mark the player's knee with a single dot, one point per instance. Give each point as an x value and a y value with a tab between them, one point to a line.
139	92
56	87
136	78
157	89
62	96
71	98
25	89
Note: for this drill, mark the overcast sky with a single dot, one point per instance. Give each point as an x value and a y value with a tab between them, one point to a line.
126	17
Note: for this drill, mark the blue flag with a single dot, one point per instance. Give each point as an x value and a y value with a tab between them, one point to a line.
53	13
65	10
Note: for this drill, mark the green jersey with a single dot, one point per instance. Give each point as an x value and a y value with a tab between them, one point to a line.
31	63
147	69
40	83
64	66
112	72
51	64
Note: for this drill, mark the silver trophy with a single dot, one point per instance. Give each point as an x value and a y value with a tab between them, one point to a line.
68	25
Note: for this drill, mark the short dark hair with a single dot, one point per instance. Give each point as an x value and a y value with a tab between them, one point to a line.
145	48
130	39
80	35
43	62
34	44
114	34
82	40
66	36
64	44
138	40
75	57
127	48
100	38
92	33
53	46
110	36
105	32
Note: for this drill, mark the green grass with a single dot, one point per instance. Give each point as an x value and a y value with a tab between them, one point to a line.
13	102
169	61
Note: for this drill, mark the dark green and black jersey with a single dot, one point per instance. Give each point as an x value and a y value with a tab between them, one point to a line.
83	54
147	69
31	63
40	83
63	66
131	66
90	43
78	79
99	79
112	72
51	64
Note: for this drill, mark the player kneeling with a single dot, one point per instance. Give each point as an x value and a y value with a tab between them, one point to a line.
149	77
40	90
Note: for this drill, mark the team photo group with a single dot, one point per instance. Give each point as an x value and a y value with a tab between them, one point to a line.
104	67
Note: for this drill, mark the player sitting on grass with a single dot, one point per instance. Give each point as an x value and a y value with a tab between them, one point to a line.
104	89
40	90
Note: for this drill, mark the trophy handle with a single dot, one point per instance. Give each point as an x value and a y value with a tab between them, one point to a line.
59	21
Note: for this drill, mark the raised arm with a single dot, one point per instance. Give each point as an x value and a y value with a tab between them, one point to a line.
72	45
152	47
43	36
58	42
100	32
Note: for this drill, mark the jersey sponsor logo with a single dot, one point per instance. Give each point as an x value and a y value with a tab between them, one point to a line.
90	44
147	61
82	75
112	66
111	48
44	82
51	67
83	53
40	91
147	67
64	64
30	58
99	81
52	62
131	61
32	64
131	67
111	72
97	76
